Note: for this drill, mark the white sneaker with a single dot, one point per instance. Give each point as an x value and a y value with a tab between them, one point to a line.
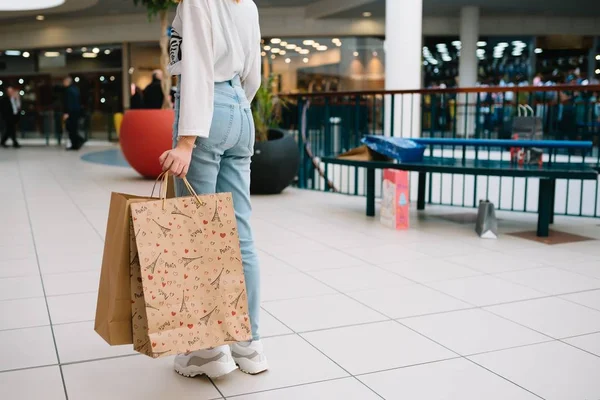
213	363
250	357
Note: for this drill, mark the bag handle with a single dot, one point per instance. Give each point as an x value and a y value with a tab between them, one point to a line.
164	186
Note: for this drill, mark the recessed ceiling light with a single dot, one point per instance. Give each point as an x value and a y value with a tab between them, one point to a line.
322	48
26	54
597	71
51	54
84	49
96	50
272	56
367	14
267	48
107	51
112	78
131	70
102	79
538	51
481	43
598	57
304	51
356	54
264	53
282	52
103	100
276	50
76	79
288	60
283	44
305	60
290	46
12	52
275	40
375	54
21	81
335	40
69	50
308	42
40	18
89	55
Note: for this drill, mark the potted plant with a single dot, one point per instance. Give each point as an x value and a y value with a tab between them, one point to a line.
146	134
276	155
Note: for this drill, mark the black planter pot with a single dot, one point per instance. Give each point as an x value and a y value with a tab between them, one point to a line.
275	163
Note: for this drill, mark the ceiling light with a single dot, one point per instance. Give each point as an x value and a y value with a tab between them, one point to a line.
502	44
76	79
107	51
26	54
69	50
102	79
316	45
96	50
597	71
457	43
103	100
308	42
21	81
538	51
131	70
272	56
322	48
29	5
481	43
267	48
335	40
288	60
40	18
304	51
284	44
12	52
276	50
598	57
51	54
84	49
22	93
290	46
275	41
375	54
1	93
89	55
305	60
282	52
339	44
264	53
355	54
112	78
367	14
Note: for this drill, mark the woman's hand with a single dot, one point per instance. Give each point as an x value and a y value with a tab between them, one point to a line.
177	161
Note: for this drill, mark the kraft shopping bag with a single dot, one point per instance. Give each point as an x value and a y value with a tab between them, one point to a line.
188	289
113	308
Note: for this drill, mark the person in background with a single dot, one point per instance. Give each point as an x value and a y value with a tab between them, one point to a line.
137	100
72	113
153	94
10	109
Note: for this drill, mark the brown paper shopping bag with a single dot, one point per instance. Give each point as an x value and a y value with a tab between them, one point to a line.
187	286
113	308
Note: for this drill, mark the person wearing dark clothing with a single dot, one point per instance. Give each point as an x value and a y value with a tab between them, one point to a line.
137	100
153	94
10	108
72	113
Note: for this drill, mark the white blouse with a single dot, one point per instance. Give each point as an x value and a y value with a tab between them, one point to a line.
212	41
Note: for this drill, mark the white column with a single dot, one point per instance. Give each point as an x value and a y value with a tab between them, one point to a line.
467	69
403	64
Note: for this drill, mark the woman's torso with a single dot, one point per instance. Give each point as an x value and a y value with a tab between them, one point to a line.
235	30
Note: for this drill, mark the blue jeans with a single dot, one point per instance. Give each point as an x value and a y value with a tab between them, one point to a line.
221	163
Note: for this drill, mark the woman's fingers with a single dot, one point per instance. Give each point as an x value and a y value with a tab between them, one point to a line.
163	157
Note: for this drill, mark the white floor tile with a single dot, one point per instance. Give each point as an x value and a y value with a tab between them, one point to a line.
73	308
270	326
320	260
16	268
430	270
347	388
18	384
359	278
79	342
403	347
270	265
21	288
444	380
408	301
589	343
494	263
590	268
551	280
551	316
384	254
138	376
321	312
23	313
24	348
485	290
71	283
16	252
473	331
554	256
553	371
589	299
70	262
290	286
308	365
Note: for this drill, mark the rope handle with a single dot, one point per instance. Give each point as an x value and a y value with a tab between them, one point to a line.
164	186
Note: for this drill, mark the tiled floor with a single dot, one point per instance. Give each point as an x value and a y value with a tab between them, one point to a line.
352	310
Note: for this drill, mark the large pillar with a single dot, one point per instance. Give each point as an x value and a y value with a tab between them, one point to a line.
467	69
125	76
403	65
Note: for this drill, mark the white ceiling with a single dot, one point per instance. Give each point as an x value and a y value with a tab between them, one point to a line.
575	8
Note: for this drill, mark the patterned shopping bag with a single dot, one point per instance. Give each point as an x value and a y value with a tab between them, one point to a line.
187	280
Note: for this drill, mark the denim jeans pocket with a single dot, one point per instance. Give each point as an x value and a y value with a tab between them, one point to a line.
220	129
252	130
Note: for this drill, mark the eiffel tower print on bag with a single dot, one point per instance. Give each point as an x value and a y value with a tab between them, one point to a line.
187	281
